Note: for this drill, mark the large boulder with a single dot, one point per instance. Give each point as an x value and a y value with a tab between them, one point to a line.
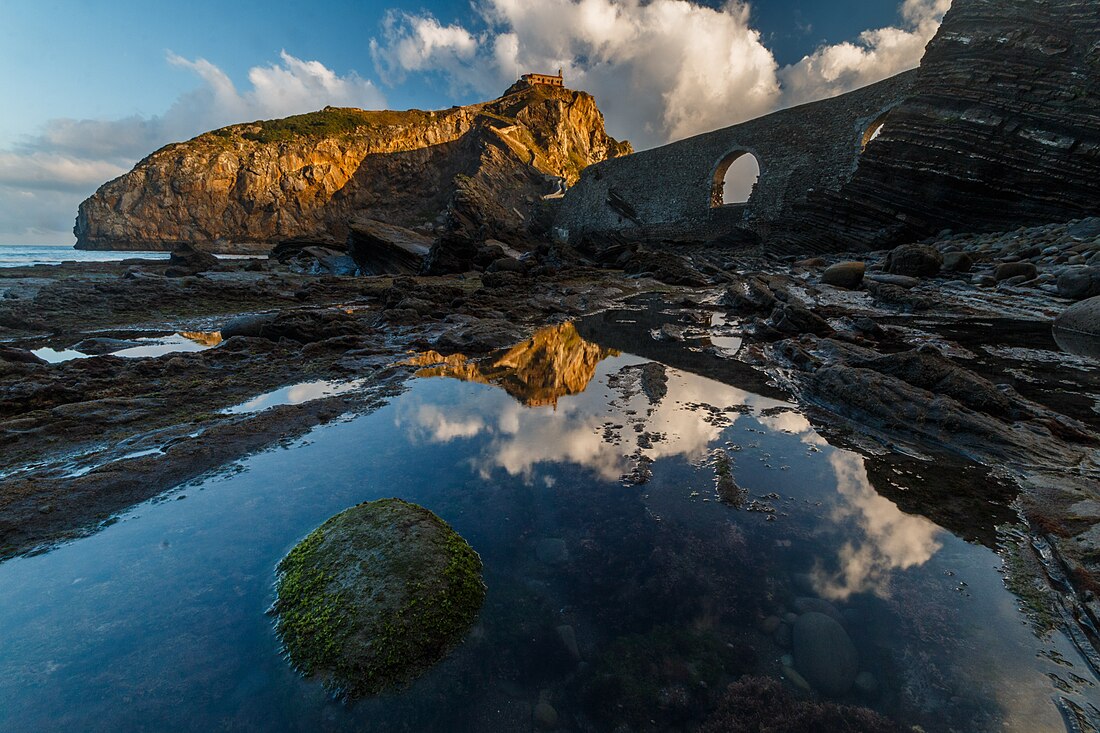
189	260
1079	282
914	260
375	596
844	275
252	325
1077	329
385	249
957	262
824	653
1007	270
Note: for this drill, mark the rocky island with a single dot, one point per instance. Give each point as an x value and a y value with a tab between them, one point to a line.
828	458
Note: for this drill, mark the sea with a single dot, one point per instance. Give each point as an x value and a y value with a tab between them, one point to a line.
22	255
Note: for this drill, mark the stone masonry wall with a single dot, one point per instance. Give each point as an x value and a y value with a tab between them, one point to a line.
667	190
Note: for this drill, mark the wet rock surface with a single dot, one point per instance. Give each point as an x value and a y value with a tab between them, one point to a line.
375	596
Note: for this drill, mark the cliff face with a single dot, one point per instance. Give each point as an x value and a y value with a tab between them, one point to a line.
303	177
1002	130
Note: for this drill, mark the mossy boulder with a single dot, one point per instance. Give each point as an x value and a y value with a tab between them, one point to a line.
375	596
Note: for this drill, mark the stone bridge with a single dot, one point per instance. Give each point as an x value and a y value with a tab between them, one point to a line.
999	128
675	191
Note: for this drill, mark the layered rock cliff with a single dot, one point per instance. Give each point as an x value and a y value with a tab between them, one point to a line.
1002	130
248	186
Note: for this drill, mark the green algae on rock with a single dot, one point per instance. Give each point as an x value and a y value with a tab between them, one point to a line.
375	596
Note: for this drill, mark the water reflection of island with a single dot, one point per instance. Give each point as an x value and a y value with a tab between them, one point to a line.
555	362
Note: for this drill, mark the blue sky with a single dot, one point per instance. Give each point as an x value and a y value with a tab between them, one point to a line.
90	87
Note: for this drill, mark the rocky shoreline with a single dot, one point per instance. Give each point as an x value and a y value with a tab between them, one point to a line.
940	353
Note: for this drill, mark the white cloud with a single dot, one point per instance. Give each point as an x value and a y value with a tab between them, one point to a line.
43	180
661	70
891	540
876	55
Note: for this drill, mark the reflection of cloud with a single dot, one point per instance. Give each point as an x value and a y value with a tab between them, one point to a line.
442	428
893	540
578	430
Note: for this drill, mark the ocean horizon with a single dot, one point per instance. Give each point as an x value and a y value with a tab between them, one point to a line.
26	255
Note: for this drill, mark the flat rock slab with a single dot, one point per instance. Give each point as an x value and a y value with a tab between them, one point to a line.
375	596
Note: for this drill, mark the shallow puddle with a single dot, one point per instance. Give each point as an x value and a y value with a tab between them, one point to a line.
295	394
622	591
146	346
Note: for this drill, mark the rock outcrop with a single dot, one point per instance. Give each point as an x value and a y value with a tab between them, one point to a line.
1002	130
248	186
375	596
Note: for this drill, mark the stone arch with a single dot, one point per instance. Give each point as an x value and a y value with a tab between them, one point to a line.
734	179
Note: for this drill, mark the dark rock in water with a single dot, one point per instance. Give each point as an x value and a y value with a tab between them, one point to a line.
844	275
375	596
914	260
1007	270
901	281
1077	329
15	355
251	325
791	319
187	260
725	485
759	704
809	604
1079	283
957	262
824	654
654	381
101	345
385	249
751	295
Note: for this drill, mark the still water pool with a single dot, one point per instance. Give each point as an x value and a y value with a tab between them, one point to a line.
623	594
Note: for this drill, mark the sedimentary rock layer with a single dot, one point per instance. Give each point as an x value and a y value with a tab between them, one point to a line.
1002	130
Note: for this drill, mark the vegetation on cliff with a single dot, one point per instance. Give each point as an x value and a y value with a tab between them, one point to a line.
306	176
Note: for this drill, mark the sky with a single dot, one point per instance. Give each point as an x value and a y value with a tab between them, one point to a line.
90	88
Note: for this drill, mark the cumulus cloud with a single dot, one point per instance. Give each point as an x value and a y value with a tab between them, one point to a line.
44	178
662	70
874	56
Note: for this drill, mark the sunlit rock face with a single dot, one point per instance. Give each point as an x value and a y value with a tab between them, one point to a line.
303	177
553	363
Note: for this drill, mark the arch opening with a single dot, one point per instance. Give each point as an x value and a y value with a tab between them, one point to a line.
734	179
873	131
